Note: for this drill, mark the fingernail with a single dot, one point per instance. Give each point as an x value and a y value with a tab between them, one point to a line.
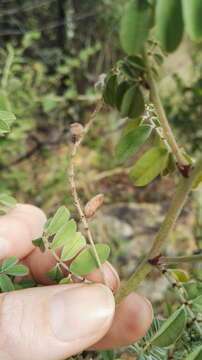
4	247
81	311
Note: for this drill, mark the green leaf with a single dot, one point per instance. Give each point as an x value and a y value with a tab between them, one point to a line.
66	280
180	275
169	23
27	283
196	354
40	244
132	103
55	274
121	90
49	102
4	127
64	235
8	263
73	246
193	290
107	354
137	62
59	219
197	304
131	142
7	200
192	14
109	93
132	125
149	166
6	283
18	270
7	116
171	329
135	25
85	262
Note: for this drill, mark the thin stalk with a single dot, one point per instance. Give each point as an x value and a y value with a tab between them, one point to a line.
74	190
177	203
155	98
180	259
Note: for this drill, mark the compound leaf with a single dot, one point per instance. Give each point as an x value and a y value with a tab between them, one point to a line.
85	262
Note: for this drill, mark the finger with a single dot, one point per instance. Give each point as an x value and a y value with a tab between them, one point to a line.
132	319
18	228
40	263
53	322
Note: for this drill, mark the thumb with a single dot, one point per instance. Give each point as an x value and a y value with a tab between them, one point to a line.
53	322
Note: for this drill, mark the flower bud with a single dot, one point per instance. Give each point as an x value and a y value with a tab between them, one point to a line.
76	130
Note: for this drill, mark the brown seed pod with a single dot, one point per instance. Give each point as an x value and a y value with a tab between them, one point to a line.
76	130
93	205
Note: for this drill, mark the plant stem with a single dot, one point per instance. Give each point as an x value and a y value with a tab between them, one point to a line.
74	190
155	98
179	259
177	203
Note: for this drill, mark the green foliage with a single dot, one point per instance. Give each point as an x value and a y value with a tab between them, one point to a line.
133	103
171	329
85	262
149	166
131	142
65	231
135	25
109	93
196	354
59	219
72	248
8	270
7	200
61	232
192	13
169	23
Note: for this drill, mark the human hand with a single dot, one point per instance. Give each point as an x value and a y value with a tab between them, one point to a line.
58	321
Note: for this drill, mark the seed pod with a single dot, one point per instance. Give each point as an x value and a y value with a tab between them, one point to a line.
132	103
93	205
169	23
76	130
192	14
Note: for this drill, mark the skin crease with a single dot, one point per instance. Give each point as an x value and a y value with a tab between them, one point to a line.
58	321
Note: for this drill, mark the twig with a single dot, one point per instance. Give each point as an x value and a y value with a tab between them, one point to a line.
177	203
71	176
179	259
162	116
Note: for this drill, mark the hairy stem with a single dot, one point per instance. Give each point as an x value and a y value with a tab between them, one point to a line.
177	203
155	98
74	189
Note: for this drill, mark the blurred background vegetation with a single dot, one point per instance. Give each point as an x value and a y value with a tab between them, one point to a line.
51	55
